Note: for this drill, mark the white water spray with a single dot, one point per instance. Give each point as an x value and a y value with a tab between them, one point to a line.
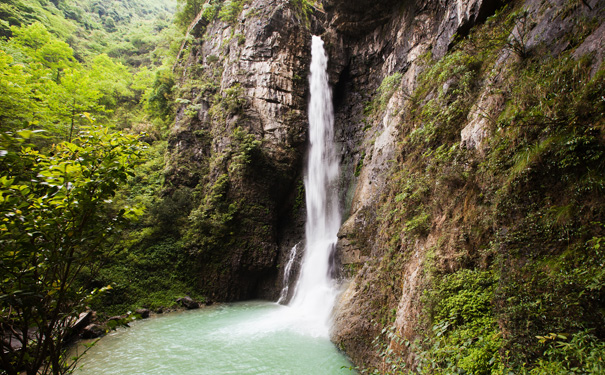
316	291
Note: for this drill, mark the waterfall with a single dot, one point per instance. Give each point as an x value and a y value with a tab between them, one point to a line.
287	271
315	293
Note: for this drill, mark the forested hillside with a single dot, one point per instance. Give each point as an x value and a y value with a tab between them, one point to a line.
85	105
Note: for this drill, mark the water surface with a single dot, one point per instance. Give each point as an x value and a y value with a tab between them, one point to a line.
243	338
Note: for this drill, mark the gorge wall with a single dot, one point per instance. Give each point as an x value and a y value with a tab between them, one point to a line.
238	143
472	151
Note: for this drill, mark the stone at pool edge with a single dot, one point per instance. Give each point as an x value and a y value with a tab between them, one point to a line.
143	313
92	331
188	303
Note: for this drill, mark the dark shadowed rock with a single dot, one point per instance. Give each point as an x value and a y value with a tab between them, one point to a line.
143	313
92	331
83	320
188	303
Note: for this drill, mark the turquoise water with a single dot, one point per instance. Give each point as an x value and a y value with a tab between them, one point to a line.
243	338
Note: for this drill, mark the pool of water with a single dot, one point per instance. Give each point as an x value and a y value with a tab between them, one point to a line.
243	338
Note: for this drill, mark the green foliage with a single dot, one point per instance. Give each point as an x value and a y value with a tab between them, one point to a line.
212	223
187	10
303	8
233	99
246	146
409	207
56	218
558	293
580	354
359	165
51	98
384	92
22	13
93	27
149	266
230	10
160	97
211	59
110	67
41	47
59	94
388	87
553	120
113	79
211	10
453	79
147	270
553	94
226	103
466	336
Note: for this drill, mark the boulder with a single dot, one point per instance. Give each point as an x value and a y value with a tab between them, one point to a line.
188	303
92	331
118	318
143	313
83	320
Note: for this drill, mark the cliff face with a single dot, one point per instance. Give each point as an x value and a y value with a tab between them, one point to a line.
462	126
370	112
238	143
433	107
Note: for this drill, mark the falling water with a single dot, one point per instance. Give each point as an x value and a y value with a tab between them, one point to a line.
287	271
316	292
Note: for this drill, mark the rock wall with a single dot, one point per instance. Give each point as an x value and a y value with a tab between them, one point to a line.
238	144
372	42
394	43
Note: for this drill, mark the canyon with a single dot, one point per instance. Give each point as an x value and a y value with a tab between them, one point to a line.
449	153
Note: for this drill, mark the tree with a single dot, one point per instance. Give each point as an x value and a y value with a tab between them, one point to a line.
112	79
41	47
187	10
56	216
72	102
42	86
16	105
160	98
